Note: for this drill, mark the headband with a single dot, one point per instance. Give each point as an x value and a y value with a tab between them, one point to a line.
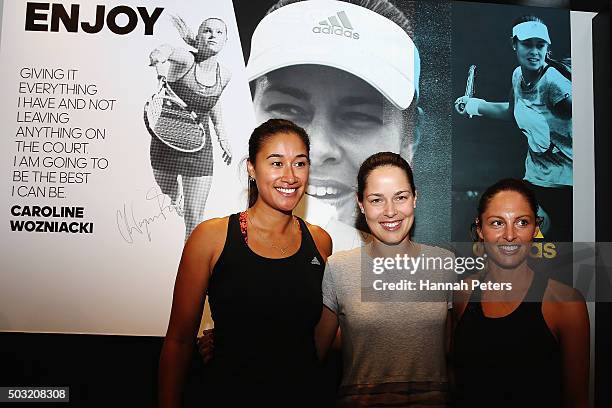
339	35
531	29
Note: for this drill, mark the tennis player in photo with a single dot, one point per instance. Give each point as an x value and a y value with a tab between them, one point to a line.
180	114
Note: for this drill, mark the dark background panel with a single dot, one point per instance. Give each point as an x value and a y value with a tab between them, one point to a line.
110	371
486	150
100	370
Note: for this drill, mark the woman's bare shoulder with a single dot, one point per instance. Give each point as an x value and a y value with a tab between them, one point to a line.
559	292
564	309
322	239
211	233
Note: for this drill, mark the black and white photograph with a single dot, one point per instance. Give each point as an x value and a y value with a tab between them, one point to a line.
322	64
180	115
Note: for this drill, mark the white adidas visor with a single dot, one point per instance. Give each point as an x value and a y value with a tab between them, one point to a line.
531	29
339	35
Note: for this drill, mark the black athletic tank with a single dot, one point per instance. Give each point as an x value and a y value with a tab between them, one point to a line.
510	361
265	311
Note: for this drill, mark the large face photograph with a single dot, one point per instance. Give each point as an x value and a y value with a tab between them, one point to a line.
322	65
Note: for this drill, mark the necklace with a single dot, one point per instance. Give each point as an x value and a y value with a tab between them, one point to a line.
281	249
532	82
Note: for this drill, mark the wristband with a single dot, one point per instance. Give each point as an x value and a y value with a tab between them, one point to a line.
472	105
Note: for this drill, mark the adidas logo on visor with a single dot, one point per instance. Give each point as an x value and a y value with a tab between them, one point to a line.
337	25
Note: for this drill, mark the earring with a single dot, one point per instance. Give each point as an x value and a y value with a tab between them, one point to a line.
251	179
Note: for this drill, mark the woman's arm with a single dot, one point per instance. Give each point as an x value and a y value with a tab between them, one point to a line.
327	328
179	59
187	305
325	332
480	107
574	339
217	121
495	110
215	113
567	317
564	107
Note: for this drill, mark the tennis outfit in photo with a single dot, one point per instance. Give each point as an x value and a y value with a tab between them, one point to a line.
201	99
549	161
265	312
394	353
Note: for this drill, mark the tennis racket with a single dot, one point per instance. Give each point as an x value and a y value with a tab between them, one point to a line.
469	86
170	120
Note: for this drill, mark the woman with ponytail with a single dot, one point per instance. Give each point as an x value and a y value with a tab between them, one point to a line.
541	104
198	79
521	339
262	271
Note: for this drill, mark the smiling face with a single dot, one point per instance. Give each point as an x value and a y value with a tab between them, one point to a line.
281	171
212	36
507	227
531	53
347	121
388	204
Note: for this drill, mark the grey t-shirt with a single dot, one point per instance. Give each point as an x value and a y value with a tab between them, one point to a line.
388	347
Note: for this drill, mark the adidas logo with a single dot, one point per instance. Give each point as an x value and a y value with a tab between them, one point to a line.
315	261
337	25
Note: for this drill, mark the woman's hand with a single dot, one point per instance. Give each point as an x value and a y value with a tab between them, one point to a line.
464	105
206	345
227	150
160	55
460	105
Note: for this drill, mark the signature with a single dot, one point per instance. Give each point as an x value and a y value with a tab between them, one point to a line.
130	225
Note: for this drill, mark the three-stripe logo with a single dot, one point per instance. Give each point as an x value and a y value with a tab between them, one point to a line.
338	24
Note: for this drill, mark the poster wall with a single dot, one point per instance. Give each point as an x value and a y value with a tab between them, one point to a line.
91	243
97	204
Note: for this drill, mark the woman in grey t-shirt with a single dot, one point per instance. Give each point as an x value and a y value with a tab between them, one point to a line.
393	313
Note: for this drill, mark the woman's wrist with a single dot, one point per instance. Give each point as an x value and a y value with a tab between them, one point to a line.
473	105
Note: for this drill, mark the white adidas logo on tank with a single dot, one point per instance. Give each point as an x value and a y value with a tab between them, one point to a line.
338	24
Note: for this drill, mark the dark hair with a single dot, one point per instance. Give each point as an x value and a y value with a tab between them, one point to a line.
564	66
508	184
382	159
262	133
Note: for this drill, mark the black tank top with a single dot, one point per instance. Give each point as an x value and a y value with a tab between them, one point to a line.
510	361
265	311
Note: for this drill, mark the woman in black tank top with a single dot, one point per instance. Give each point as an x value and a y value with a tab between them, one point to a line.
262	270
526	345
